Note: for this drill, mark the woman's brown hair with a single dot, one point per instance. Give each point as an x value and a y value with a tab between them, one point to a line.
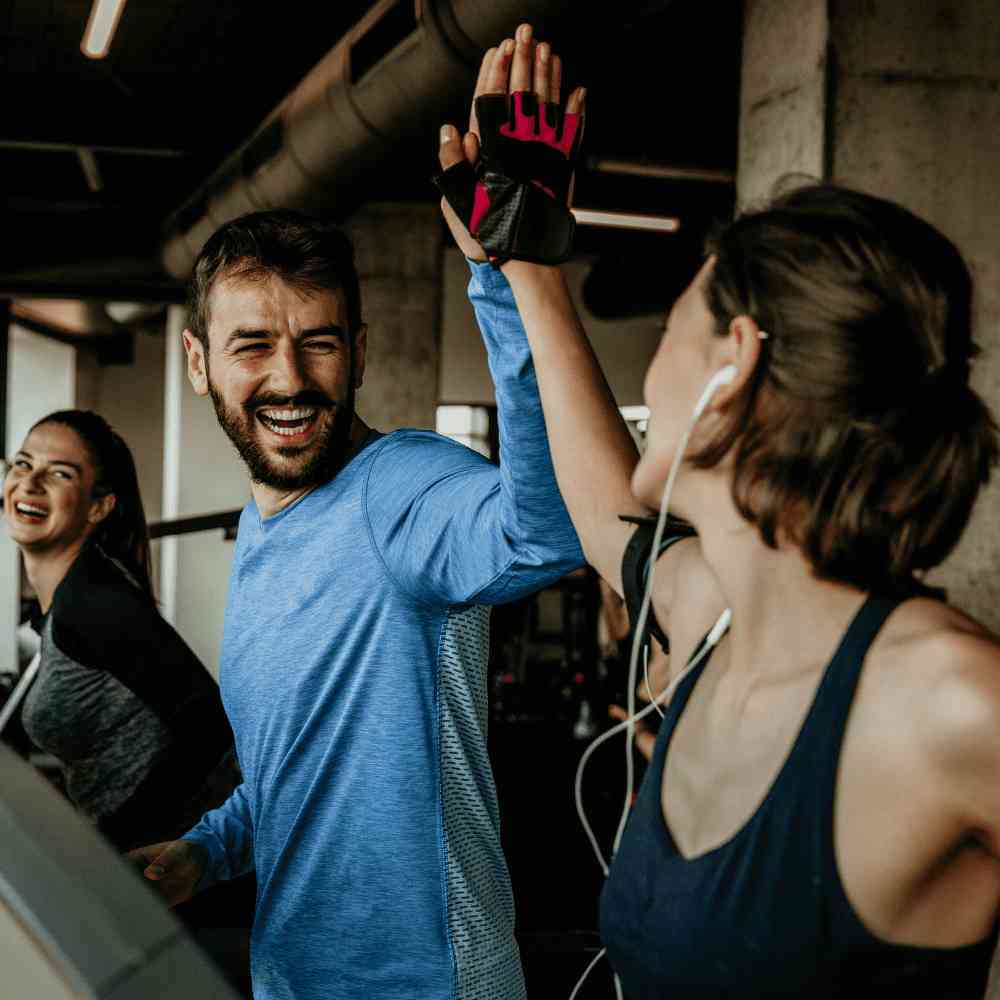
858	438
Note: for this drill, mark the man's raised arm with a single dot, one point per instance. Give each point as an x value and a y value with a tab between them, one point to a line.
591	447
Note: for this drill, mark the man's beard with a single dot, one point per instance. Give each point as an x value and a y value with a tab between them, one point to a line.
328	451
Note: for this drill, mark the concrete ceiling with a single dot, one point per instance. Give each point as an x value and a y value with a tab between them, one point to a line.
186	82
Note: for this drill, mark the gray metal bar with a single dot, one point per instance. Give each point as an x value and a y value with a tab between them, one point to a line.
226	520
91	171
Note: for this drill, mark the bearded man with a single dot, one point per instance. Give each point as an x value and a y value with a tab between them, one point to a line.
353	667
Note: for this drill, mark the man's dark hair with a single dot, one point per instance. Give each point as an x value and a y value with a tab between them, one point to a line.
302	251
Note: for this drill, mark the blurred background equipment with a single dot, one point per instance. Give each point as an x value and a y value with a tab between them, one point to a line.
76	923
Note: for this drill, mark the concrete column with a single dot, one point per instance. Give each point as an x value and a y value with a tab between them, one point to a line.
902	101
398	254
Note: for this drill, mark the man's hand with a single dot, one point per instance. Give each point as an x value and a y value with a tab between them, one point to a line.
175	865
521	67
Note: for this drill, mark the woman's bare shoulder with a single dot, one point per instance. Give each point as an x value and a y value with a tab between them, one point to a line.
943	669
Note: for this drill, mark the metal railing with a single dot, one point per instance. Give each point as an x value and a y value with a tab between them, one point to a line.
227	521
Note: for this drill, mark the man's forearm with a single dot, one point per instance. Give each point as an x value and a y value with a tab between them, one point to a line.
592	450
226	836
531	510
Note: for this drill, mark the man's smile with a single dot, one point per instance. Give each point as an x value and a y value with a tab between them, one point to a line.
294	425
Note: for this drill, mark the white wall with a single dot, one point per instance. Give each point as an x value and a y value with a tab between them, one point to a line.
41	377
130	399
623	347
202	474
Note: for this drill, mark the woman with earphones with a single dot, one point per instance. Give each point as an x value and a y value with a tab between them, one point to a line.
821	815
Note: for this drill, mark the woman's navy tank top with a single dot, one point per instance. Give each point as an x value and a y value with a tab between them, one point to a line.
765	913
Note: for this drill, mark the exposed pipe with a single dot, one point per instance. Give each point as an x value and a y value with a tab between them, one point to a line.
390	78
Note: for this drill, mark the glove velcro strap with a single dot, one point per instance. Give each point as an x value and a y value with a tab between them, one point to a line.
524	223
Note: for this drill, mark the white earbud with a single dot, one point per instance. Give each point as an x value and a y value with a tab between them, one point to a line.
722	377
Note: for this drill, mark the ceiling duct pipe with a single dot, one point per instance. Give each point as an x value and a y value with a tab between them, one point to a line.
392	77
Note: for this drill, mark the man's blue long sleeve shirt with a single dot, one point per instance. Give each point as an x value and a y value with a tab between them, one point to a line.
353	672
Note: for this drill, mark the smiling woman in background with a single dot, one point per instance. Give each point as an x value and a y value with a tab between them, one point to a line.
131	714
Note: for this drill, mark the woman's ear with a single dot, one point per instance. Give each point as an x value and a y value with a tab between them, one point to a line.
101	507
742	350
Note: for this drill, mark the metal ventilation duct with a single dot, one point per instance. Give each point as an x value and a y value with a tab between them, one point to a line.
391	77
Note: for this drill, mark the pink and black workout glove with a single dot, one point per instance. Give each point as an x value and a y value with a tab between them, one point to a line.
514	200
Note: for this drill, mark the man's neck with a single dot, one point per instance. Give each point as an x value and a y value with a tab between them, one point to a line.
47	569
271	501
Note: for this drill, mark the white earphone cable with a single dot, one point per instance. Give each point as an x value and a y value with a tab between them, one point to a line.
718	630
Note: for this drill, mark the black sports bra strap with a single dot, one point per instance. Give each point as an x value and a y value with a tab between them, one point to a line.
635	568
850	655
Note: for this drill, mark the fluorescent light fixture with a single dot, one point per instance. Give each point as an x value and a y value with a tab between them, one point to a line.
660	171
104	18
626	220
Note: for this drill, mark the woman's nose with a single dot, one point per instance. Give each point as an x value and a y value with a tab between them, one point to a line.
33	481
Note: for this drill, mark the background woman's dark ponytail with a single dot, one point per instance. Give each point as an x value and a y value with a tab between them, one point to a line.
123	534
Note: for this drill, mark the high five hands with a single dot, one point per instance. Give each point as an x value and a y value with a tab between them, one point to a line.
507	182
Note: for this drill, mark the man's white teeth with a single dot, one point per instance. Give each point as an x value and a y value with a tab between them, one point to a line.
287	422
27	508
301	414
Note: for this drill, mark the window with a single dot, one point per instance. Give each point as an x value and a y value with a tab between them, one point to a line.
637	418
469	425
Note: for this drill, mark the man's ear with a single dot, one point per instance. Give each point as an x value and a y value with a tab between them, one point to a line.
197	363
360	352
101	507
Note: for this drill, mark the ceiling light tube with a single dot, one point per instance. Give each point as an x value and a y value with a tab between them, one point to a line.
626	220
104	18
659	171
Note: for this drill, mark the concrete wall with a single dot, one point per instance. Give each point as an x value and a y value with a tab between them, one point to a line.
783	94
902	101
623	347
398	255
